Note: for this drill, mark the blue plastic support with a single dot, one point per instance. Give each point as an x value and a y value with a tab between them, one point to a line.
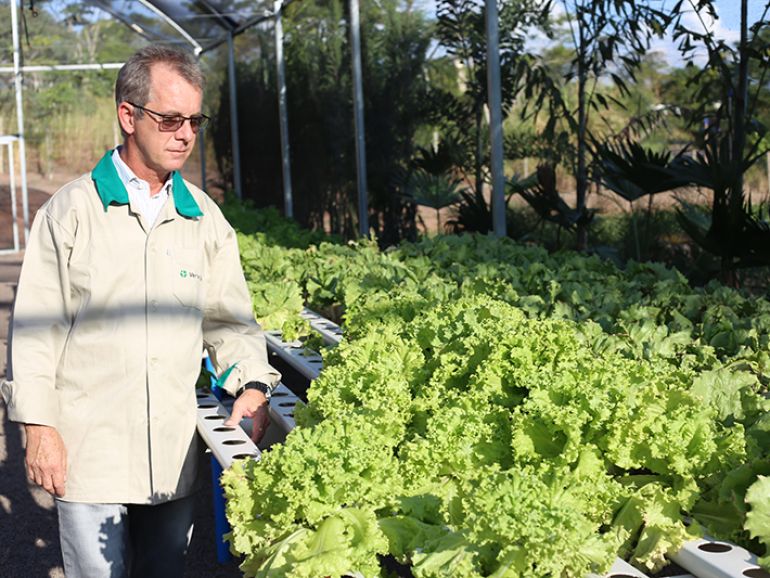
221	526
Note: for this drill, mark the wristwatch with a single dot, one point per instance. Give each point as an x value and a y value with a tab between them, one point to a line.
259	386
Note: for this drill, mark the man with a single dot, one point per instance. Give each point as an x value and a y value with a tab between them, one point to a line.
129	273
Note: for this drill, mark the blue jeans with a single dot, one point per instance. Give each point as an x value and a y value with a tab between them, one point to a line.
125	540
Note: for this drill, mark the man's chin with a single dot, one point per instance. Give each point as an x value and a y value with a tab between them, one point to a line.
175	161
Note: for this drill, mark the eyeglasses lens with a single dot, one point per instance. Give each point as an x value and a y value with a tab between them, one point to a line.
174	123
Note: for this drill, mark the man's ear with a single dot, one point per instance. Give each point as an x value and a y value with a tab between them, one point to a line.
126	117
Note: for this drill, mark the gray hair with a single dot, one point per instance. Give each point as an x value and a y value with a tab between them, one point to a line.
133	84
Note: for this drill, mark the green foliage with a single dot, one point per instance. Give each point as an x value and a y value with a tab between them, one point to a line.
395	41
434	191
735	233
268	226
498	411
609	39
462	33
633	171
732	231
758	519
546	201
69	116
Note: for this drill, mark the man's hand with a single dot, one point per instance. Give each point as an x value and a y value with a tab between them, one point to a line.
46	458
251	403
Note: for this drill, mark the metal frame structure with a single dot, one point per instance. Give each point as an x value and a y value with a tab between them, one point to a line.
9	142
231	28
495	119
358	116
17	79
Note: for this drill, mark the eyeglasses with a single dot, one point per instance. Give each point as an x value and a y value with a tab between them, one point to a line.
173	122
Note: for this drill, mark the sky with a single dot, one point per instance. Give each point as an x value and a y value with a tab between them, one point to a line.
730	13
727	27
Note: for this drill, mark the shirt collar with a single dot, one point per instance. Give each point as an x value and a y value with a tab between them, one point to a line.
112	191
131	181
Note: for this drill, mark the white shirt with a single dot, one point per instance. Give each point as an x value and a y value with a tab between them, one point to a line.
139	191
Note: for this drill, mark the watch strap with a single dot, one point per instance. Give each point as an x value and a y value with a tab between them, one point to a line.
258	385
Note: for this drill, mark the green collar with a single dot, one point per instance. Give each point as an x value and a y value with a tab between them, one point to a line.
111	190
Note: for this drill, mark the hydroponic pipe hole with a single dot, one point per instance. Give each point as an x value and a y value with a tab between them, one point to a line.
756	573
620	576
206	405
287	404
715	547
233	442
214	417
224	428
244	456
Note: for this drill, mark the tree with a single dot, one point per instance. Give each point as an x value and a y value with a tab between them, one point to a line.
462	33
395	40
609	39
733	141
62	107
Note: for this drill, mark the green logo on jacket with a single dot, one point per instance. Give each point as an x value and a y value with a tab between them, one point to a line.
184	274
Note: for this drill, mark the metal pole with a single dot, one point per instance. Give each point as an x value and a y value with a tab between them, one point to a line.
234	117
173	23
202	149
20	117
358	117
14	216
288	203
767	158
495	120
63	67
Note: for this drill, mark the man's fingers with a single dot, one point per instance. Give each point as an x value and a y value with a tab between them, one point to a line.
52	480
36	476
58	483
251	404
46	458
48	484
260	425
235	417
258	430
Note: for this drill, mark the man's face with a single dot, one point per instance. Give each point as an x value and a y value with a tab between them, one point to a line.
170	94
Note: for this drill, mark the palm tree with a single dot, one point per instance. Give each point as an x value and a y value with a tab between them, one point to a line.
733	143
633	171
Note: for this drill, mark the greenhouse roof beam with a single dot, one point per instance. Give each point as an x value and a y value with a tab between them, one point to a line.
133	26
242	28
226	21
173	23
203	24
62	67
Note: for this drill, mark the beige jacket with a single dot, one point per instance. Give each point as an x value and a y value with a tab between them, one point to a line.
109	324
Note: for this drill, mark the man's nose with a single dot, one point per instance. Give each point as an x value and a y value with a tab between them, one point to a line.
185	132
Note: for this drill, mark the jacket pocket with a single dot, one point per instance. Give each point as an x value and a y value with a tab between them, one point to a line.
188	284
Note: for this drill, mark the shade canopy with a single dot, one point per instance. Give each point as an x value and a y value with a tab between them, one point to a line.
203	24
